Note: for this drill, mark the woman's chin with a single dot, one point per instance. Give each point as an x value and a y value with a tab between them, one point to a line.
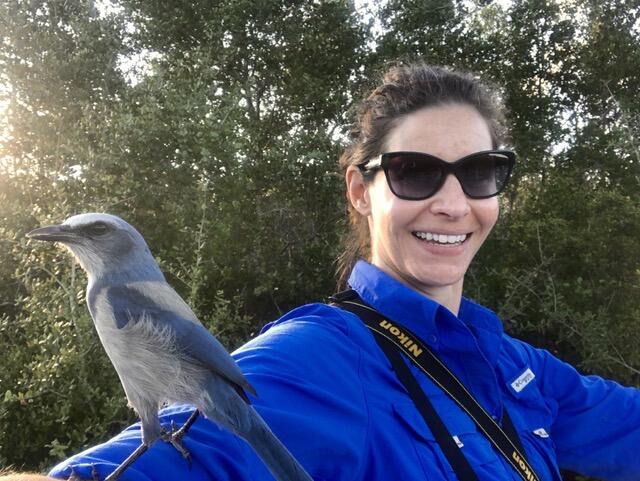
430	279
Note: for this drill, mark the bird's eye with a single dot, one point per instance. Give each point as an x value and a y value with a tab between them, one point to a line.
97	229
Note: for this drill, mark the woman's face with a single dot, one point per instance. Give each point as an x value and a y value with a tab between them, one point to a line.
450	132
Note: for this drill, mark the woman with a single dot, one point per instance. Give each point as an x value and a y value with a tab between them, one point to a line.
325	386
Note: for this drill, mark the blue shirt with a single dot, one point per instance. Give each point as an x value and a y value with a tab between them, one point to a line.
329	393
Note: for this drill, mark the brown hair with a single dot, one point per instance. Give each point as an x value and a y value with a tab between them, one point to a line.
405	89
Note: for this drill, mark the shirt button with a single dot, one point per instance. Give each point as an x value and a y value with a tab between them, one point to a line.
433	338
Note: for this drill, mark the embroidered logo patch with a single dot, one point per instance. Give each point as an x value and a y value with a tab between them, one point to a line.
522	380
541	433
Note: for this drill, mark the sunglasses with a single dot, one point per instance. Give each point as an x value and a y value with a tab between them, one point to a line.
417	176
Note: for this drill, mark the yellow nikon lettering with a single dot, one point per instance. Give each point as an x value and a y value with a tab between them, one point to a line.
523	466
385	324
403	338
415	350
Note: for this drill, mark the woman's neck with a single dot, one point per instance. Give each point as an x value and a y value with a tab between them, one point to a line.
448	296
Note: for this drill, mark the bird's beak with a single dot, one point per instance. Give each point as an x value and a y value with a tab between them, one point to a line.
58	233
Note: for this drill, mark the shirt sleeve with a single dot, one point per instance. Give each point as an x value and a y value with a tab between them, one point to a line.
597	425
305	371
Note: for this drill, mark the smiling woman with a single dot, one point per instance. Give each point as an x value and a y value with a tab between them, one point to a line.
419	223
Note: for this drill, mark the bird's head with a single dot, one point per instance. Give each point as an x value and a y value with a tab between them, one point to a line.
103	244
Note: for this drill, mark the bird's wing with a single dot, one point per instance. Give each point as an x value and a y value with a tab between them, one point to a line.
158	302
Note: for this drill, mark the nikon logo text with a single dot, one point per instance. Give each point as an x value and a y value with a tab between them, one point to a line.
523	466
402	338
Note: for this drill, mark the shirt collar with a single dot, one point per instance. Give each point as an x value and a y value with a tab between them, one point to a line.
424	316
479	317
395	300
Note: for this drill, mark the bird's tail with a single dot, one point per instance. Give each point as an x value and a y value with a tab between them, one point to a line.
227	408
273	453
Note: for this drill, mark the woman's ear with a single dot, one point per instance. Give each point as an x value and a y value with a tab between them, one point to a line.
358	190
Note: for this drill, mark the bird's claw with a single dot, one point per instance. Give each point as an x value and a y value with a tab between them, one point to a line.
175	438
75	477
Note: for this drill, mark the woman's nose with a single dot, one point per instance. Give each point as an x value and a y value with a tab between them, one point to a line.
450	200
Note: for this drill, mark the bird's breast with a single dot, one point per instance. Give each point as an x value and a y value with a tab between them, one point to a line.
149	364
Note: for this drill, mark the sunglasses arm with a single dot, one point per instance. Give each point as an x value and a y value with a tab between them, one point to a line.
373	163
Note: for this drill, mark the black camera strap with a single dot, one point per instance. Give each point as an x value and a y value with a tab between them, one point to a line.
393	339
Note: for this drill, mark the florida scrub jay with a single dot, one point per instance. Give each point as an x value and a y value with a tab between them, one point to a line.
160	350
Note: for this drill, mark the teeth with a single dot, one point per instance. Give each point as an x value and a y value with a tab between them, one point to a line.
441	238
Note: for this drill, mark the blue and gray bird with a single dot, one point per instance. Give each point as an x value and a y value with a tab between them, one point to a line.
162	353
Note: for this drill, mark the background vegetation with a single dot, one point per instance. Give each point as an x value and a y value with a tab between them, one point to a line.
215	128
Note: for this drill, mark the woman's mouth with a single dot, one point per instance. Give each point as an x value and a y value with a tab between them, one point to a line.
441	239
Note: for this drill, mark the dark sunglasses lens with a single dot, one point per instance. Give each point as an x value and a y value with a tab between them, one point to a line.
413	176
484	175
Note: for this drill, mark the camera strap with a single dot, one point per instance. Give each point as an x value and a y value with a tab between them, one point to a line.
393	339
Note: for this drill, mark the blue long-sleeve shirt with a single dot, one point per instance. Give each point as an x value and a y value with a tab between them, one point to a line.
330	395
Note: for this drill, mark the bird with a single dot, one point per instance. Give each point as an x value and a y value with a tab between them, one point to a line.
157	345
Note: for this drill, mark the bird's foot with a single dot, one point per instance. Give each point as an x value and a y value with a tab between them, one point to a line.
175	438
75	477
179	434
175	435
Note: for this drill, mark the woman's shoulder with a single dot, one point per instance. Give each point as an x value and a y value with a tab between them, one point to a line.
311	335
317	315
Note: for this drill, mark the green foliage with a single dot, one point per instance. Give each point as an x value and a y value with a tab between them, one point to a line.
571	282
221	148
221	154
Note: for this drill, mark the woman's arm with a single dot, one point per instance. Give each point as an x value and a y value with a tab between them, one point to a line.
597	426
